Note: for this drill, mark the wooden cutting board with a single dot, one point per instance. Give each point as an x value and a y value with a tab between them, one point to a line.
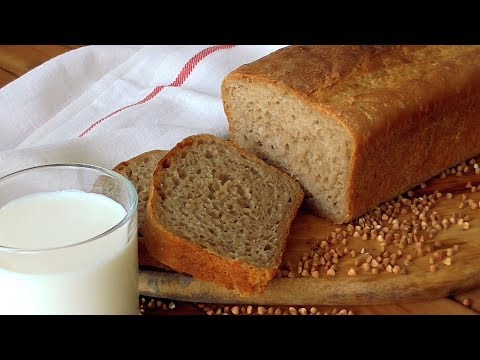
364	288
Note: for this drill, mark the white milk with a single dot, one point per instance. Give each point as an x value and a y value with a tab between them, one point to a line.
97	277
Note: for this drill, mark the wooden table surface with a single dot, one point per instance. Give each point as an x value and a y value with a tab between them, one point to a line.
17	60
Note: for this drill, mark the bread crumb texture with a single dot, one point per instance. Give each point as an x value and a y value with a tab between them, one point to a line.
216	203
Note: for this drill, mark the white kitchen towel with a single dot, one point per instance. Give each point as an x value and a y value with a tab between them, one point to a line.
104	104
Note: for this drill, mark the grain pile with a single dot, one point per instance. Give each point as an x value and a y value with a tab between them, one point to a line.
393	236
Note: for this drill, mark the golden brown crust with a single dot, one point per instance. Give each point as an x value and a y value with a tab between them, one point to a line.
411	110
190	258
306	69
120	168
145	259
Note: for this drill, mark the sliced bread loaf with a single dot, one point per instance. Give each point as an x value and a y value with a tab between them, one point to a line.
139	170
357	125
220	214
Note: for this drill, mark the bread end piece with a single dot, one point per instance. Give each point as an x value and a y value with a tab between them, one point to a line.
139	170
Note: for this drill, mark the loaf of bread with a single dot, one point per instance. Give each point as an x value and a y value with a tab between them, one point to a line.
220	214
357	125
139	170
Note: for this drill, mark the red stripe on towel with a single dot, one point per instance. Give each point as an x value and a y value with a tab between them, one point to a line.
181	78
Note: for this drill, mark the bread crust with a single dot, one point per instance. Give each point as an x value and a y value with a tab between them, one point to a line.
183	255
120	168
411	111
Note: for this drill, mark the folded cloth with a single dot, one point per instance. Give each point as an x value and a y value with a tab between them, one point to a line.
101	105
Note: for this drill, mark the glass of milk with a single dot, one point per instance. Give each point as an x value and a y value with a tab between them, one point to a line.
68	241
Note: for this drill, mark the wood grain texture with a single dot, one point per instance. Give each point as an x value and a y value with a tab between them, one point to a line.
472	296
365	288
6	77
23	58
18	59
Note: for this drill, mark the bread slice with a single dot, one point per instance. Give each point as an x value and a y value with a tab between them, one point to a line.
146	260
139	170
357	125
220	214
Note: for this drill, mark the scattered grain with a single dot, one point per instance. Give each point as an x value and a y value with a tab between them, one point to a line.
261	310
366	266
331	272
352	272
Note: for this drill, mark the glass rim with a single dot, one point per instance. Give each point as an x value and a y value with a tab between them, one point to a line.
129	214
